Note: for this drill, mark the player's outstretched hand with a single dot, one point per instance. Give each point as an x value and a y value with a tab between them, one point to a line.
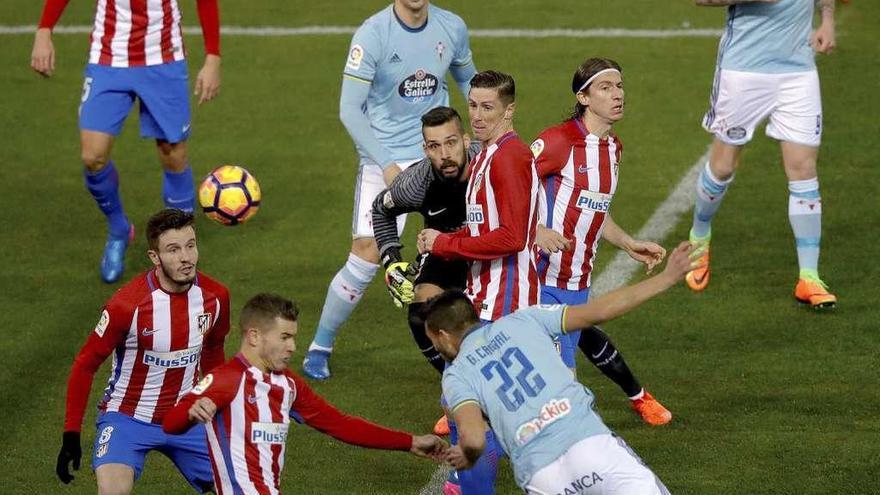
683	259
455	457
43	54
208	80
551	241
70	452
430	446
202	410
399	279
649	253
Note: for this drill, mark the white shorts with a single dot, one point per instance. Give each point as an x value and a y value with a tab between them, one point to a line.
370	183
597	465
740	101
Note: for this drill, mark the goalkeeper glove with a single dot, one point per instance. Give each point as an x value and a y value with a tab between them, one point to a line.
70	452
399	278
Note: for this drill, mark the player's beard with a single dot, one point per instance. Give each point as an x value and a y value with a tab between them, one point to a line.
179	279
459	170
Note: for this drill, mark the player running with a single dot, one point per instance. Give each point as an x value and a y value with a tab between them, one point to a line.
434	187
501	203
247	404
136	51
766	68
395	72
509	372
577	162
161	328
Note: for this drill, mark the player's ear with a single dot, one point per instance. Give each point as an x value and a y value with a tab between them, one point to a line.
508	112
154	257
252	336
466	139
583	98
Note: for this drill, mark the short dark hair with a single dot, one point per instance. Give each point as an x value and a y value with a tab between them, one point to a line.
264	308
584	72
451	310
499	81
439	116
165	220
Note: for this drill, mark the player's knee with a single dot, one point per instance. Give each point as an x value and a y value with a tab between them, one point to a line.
115	484
172	155
94	160
365	249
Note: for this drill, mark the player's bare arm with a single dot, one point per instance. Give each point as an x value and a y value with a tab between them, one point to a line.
623	300
471	436
551	241
43	54
722	3
649	253
823	39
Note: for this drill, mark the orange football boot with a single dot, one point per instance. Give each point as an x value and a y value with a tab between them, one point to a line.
698	279
651	410
441	428
812	290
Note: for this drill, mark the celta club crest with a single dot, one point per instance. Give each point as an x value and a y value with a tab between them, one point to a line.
204	322
439	48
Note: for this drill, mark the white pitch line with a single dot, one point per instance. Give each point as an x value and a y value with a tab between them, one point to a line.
622	267
474	33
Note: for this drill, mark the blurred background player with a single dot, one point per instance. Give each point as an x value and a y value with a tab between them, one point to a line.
501	203
247	404
434	187
509	372
395	72
577	162
136	51
766	68
161	328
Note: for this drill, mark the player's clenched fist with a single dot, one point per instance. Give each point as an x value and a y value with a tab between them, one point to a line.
202	410
399	278
430	446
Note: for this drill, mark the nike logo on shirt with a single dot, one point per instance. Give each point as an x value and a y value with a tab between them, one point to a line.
435	213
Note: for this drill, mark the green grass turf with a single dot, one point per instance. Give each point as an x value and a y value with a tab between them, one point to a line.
768	397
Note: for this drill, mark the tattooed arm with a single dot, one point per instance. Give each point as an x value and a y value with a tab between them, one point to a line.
823	39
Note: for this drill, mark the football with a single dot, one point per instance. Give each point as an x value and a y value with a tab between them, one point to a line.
230	195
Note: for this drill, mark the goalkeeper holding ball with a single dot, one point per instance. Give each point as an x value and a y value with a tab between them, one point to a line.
434	187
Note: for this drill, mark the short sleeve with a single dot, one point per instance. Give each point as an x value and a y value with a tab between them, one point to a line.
549	317
363	55
457	390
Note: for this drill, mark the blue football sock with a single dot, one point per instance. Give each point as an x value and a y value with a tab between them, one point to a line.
480	479
104	187
710	192
178	191
343	295
805	216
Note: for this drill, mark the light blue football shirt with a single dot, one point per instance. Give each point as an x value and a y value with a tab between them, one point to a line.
406	70
769	38
512	370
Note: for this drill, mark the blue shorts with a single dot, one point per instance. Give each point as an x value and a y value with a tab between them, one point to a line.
568	343
162	90
121	439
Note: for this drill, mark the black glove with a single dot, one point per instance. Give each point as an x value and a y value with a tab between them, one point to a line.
70	451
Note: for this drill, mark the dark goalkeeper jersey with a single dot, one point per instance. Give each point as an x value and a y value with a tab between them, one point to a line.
419	188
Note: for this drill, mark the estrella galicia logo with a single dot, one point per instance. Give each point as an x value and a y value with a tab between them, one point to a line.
418	86
736	133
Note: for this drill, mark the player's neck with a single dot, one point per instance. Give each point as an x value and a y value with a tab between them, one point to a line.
253	357
413	19
508	127
596	125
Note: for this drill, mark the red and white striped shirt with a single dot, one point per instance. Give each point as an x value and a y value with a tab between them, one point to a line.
134	33
247	436
158	339
578	172
502	197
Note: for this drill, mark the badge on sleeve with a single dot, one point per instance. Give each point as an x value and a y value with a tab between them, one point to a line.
537	147
204	384
101	327
355	55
